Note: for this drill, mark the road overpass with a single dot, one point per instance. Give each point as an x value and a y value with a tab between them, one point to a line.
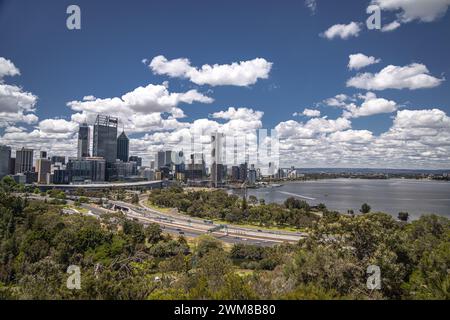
178	224
140	185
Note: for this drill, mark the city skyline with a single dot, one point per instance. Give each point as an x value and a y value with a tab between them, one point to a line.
337	94
230	158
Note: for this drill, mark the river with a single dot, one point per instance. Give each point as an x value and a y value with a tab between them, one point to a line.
417	197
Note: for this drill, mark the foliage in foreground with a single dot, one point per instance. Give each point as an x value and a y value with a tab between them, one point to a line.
122	259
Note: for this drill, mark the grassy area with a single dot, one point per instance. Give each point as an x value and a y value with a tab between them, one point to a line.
257	226
244	272
79	209
158	208
243	225
192	243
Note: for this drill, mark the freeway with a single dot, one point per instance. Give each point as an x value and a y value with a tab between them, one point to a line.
178	224
176	228
186	222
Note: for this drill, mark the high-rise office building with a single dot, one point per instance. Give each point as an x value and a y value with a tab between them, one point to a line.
251	176
124	170
196	168
136	159
43	167
5	159
59	159
160	159
217	168
123	147
243	170
105	138
235	173
43	155
92	169
24	160
170	158
83	141
12	165
62	176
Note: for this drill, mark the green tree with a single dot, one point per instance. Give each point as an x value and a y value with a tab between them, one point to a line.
153	233
206	244
403	216
365	208
135	199
252	200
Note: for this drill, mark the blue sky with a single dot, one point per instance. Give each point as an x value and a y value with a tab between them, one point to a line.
104	59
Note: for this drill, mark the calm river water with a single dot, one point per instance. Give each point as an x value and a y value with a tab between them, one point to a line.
391	196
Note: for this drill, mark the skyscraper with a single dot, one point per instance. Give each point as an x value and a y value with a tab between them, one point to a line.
160	159
5	158
217	167
105	138
43	167
243	172
136	159
83	141
170	158
58	159
12	166
235	173
92	169
24	160
123	147
196	168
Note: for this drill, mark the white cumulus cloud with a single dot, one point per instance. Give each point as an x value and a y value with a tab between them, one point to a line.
352	136
428	118
7	68
241	74
140	102
339	100
412	77
409	10
245	114
359	60
394	25
372	105
343	31
16	105
312	113
57	126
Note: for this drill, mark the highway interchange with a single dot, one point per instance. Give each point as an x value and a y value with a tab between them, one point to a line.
178	224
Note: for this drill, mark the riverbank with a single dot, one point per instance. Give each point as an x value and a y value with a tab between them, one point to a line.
417	197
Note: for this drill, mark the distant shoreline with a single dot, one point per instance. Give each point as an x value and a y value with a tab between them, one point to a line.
416	196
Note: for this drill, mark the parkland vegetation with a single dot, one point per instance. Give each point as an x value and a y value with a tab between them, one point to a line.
220	205
123	259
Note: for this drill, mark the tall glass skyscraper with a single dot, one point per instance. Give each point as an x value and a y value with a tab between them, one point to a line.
217	167
5	159
123	147
105	138
83	141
